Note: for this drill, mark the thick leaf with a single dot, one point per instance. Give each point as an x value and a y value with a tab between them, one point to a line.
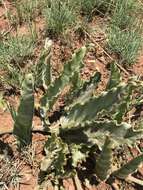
133	135
95	133
58	85
43	68
84	92
115	76
129	168
124	106
24	117
81	113
55	159
104	162
126	103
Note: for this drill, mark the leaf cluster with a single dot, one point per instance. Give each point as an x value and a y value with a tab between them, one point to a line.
83	128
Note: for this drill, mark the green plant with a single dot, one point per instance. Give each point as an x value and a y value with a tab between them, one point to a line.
126	44
16	49
84	130
124	14
89	7
25	11
24	116
125	31
59	15
14	54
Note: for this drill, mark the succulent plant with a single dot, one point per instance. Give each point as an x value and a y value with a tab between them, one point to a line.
89	122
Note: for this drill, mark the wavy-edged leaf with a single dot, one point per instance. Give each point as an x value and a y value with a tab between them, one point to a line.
104	162
24	117
95	133
85	91
55	158
43	68
132	135
77	155
124	106
58	85
81	113
129	168
115	76
126	103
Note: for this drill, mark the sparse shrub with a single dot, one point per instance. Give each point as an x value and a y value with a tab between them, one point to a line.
59	15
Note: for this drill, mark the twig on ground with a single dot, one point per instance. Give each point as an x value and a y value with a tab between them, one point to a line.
95	42
134	180
7	32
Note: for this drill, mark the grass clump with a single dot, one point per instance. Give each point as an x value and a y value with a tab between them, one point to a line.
14	55
123	15
16	49
125	43
59	15
125	31
25	11
89	7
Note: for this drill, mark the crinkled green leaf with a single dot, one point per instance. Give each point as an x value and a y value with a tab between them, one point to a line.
77	155
58	85
86	112
95	133
24	117
43	68
133	135
124	106
55	158
85	91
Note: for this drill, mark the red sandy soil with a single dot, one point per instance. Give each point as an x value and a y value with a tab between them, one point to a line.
138	67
